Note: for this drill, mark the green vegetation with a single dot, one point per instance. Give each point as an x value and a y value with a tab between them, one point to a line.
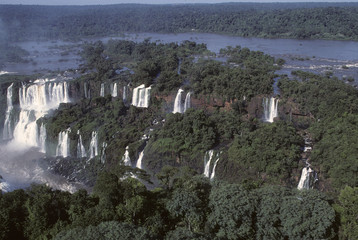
124	209
273	20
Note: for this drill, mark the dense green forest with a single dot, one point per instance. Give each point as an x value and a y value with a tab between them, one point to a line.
253	194
268	20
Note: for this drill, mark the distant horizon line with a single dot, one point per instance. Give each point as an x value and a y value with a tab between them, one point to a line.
186	3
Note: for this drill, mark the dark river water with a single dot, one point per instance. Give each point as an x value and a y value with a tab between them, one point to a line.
318	56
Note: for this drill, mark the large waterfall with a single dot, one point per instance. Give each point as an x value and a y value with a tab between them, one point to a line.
141	96
270	109
126	159
36	99
187	103
94	145
304	182
81	151
63	146
7	131
102	90
178	106
139	161
114	90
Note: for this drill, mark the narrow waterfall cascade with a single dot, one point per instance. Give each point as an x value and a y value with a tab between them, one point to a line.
207	160
7	131
103	152
85	89
212	176
114	90
36	99
304	182
94	145
178	106
270	109
187	103
102	90
179	67
42	138
81	151
124	94
141	96
63	146
126	159
140	159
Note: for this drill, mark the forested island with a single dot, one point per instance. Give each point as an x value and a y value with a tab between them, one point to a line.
173	141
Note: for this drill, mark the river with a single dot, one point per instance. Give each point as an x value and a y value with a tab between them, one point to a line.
318	56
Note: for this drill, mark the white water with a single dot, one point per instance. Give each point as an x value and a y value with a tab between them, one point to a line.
42	138
114	90
141	96
102	90
304	182
270	109
178	106
124	93
94	145
103	153
81	151
36	99
126	159
207	162
63	146
139	161
7	131
212	176
187	103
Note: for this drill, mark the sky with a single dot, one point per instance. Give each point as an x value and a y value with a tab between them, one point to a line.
101	2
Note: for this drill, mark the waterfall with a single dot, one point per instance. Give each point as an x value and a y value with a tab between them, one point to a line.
270	109
81	151
141	96
114	90
139	161
212	176
126	159
187	103
42	138
210	154
7	131
179	67
124	94
178	107
63	146
304	182
86	90
36	100
94	145
103	153
102	90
